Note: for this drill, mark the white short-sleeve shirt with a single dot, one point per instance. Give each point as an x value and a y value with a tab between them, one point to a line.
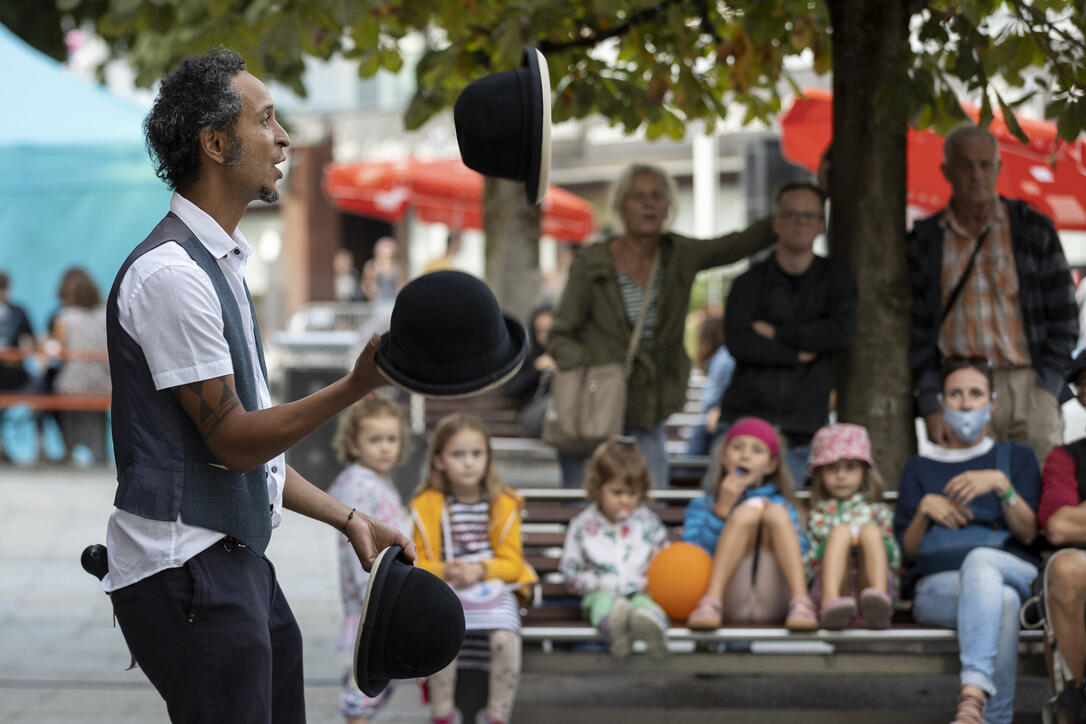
167	304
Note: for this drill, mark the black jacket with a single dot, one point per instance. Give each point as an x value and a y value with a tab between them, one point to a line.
814	312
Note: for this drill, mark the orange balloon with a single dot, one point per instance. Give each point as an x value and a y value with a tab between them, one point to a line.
678	577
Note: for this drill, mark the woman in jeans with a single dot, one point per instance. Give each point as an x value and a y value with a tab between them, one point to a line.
600	303
964	517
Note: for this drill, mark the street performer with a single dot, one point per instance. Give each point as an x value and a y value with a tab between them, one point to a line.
199	447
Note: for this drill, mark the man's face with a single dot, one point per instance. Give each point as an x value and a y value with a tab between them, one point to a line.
261	139
973	169
798	219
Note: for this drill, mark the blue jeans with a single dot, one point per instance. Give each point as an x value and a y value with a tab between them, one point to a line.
651	441
795	459
981	600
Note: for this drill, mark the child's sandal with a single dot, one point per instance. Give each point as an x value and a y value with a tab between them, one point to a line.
707	616
837	612
876	608
801	615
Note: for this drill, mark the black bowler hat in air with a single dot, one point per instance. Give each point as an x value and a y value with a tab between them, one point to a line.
503	125
412	624
449	338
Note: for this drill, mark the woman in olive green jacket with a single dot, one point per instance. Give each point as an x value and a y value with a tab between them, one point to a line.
599	306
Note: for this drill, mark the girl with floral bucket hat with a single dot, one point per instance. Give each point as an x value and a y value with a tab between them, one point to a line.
853	558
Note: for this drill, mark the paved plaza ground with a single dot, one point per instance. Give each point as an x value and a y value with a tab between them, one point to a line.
61	662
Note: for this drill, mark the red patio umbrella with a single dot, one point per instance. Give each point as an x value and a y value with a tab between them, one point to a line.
1060	192
442	191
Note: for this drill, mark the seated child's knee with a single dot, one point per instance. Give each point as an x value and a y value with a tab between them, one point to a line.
777	515
745	515
1067	576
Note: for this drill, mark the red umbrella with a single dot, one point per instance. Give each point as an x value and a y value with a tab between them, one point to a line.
1027	172
443	191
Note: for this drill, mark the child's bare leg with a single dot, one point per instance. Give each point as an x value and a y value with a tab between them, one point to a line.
785	545
734	543
504	673
835	561
873	562
876	606
356	720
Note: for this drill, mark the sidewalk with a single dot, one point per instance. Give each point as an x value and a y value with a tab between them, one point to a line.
61	661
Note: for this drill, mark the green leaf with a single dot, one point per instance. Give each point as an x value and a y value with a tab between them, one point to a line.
1010	119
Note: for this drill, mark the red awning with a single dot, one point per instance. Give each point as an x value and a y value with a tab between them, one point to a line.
1027	174
442	191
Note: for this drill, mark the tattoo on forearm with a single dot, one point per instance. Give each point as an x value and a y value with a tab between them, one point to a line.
213	400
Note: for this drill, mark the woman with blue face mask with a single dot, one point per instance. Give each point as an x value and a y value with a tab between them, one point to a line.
965	517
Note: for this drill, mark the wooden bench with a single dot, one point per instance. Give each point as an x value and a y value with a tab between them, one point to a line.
558	640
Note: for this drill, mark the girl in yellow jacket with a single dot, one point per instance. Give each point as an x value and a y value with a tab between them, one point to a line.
467	531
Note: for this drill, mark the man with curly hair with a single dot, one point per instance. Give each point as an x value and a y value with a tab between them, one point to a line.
201	474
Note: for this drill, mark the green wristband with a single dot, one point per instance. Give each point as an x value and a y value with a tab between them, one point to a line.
1007	495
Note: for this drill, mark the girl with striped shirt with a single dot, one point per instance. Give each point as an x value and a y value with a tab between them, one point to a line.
467	531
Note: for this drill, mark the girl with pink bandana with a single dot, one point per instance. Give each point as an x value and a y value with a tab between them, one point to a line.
749	523
854	558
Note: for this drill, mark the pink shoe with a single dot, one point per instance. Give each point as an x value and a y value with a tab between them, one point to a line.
801	615
837	612
708	615
876	608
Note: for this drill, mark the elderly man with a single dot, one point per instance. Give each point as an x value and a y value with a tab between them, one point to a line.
990	281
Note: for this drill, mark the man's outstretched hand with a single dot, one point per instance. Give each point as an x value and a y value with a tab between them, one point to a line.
370	536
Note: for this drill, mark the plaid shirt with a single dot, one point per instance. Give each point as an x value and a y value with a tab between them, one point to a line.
985	320
1047	310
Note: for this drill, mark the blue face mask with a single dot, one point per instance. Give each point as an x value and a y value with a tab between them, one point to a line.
967	424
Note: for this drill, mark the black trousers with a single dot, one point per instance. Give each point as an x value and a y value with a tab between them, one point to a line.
217	639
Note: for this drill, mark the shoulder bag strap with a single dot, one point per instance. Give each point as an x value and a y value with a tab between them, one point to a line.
635	338
965	276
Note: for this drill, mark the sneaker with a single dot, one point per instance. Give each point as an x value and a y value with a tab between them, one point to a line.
618	628
970	709
708	615
645	627
453	718
876	608
801	615
837	612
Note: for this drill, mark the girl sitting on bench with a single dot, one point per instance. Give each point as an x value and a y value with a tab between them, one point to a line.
749	524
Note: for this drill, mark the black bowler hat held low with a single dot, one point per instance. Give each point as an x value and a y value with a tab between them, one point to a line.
412	624
449	338
503	125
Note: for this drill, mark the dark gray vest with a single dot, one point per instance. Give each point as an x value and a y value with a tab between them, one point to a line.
163	465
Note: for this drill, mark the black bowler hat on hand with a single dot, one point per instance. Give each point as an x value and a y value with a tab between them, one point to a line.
449	338
503	125
412	624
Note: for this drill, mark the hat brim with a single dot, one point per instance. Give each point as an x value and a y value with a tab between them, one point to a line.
367	623
518	337
539	166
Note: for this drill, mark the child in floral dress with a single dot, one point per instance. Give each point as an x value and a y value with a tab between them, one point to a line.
853	556
608	547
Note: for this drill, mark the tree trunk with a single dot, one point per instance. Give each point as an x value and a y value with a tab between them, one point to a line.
868	233
511	226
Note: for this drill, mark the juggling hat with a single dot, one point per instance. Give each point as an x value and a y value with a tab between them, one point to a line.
449	338
503	125
412	624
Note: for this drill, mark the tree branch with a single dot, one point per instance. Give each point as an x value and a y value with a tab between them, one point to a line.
1042	41
598	35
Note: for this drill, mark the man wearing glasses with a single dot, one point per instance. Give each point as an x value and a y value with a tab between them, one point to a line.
990	280
785	319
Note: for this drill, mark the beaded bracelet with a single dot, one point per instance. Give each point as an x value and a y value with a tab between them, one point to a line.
346	522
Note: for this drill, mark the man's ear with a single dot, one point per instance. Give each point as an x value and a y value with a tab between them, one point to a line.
215	144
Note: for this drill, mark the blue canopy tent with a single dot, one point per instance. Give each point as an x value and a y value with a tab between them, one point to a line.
76	185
